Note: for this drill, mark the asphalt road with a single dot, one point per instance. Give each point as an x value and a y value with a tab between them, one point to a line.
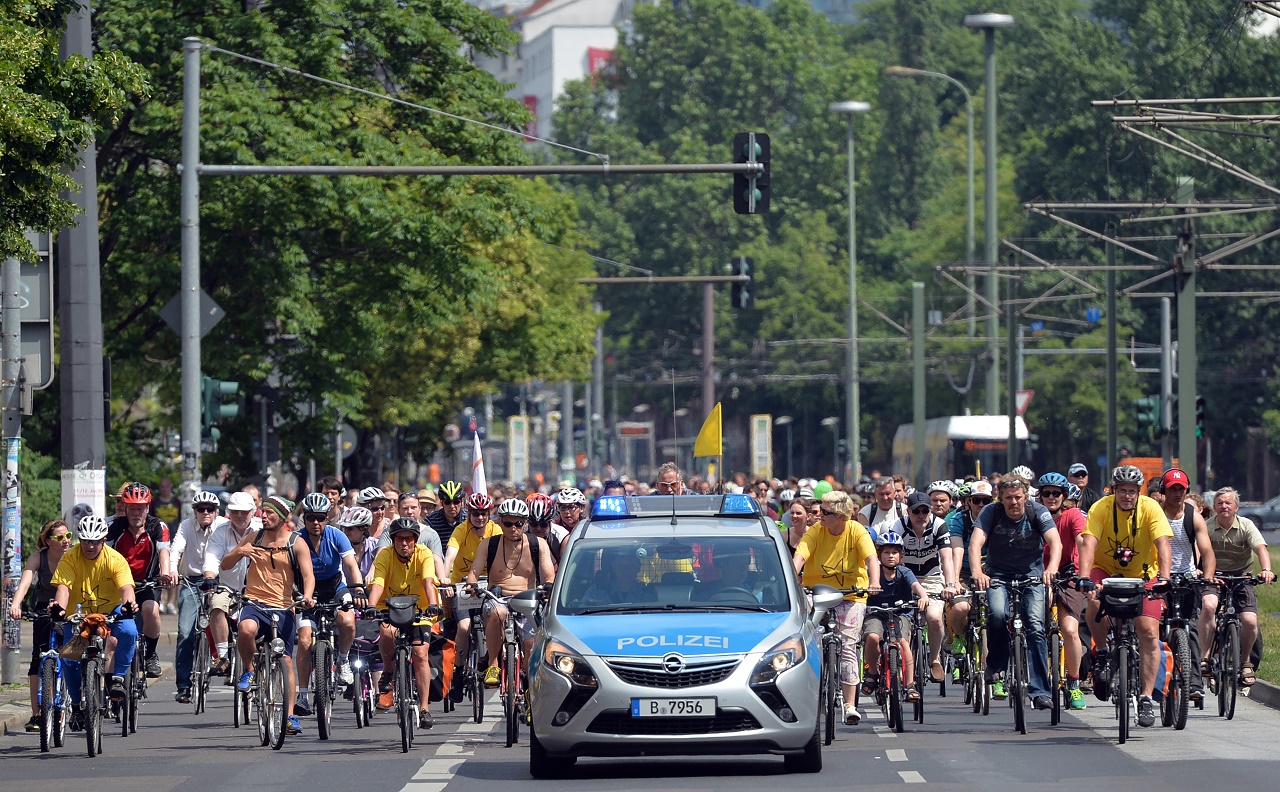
954	749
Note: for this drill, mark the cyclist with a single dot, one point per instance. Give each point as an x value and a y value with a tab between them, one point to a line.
459	557
52	542
333	561
571	508
95	577
1071	523
885	506
405	569
1236	541
1016	534
974	497
143	540
1078	474
669	482
1134	537
450	514
188	548
279	562
524	565
897	585
409	506
926	551
354	522
541	525
843	556
1190	548
332	488
942	498
375	500
241	521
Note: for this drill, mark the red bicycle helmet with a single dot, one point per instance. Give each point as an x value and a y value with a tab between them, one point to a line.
540	507
135	493
478	501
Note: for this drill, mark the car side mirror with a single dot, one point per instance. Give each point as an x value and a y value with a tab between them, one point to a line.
825	598
525	603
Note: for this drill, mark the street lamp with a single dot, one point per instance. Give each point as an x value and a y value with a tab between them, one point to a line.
833	423
907	71
787	421
988	23
852	109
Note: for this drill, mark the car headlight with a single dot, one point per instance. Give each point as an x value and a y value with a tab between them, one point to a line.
568	663
781	658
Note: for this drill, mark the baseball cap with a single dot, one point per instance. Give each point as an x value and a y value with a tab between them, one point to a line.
1078	467
917	499
1174	476
241	501
980	487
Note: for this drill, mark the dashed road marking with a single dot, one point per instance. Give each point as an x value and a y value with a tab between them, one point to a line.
896	755
439	769
911	777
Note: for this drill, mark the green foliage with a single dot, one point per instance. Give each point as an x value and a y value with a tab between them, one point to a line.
49	109
41	494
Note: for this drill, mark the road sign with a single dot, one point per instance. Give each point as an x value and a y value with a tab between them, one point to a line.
1093	315
36	298
210	313
347	439
1023	399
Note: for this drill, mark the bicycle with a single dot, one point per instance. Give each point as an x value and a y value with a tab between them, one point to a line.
920	658
52	697
1180	596
1057	655
265	699
410	623
202	657
511	670
890	690
93	700
324	663
1017	676
468	601
1121	601
973	663
126	709
1224	656
831	694
365	661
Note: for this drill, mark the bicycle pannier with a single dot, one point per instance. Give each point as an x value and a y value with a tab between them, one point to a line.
1122	598
402	611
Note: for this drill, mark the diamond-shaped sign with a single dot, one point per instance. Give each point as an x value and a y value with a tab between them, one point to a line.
210	313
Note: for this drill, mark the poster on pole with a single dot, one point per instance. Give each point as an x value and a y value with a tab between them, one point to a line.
518	447
84	492
12	543
762	446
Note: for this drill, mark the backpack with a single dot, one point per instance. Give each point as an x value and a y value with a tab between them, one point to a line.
898	509
533	553
293	558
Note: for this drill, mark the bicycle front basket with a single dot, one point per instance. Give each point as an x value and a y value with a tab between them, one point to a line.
402	611
1122	598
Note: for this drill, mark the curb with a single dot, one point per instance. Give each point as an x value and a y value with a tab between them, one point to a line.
1265	694
13	717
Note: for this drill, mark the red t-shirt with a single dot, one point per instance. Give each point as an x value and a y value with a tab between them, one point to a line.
136	551
1071	523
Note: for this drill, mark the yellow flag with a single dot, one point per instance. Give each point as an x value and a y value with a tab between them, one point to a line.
709	442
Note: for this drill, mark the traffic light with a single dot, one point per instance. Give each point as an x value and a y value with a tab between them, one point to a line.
212	408
1147	411
751	192
1199	416
743	293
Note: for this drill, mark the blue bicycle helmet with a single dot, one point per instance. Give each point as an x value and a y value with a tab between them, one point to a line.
889	537
1073	492
1053	480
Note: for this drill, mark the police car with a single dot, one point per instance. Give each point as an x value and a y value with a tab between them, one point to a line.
676	625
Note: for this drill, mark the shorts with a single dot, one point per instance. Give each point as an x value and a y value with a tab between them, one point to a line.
1151	608
1246	597
326	592
523	630
875	625
932	586
1070	602
286	625
150	595
41	633
225	601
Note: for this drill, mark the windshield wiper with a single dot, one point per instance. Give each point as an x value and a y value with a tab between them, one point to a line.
623	609
754	608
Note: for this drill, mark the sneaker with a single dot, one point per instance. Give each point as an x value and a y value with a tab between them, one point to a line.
77	720
492	677
955	675
997	690
386	684
1042	702
184	695
1197	694
294	725
425	721
458	690
302	705
33	725
386	701
345	675
851	715
1076	699
243	684
1146	712
115	688
221	667
153	666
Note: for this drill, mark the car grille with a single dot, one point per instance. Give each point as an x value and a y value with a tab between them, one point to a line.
653	676
621	722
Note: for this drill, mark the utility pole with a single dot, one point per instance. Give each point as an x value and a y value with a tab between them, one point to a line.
190	301
566	430
917	384
1186	290
84	453
1166	384
1113	440
708	349
11	347
595	412
1011	385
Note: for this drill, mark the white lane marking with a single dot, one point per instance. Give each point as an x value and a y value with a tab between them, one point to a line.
896	755
911	777
883	731
439	769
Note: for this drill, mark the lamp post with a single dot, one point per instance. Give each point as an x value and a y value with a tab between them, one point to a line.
833	423
787	421
907	71
988	23
852	109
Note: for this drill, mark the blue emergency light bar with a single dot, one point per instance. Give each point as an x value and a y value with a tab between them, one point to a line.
614	507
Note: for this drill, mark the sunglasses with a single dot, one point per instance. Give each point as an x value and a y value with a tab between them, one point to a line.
920	510
1077	475
66	537
314	517
565	506
480	512
828	513
452	501
980	501
518	524
1044	493
205	508
540	523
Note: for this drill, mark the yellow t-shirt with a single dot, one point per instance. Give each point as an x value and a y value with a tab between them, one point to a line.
839	561
468	543
401	579
95	585
1137	531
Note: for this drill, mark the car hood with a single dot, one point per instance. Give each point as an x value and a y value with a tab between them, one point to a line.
656	634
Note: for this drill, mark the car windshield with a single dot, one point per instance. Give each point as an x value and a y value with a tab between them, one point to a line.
691	573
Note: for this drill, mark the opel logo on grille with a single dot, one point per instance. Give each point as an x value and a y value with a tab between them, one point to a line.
673	663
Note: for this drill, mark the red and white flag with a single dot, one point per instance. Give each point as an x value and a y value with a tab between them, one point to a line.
477	470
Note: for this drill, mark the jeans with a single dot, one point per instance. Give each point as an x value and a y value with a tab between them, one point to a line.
124	631
998	634
188	610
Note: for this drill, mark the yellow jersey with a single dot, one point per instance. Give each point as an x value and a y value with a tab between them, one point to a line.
95	585
468	543
1137	531
399	578
837	560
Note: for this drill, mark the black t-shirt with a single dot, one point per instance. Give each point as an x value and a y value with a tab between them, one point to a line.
1015	548
893	591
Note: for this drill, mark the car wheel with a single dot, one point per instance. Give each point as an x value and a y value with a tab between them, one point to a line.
543	766
811	760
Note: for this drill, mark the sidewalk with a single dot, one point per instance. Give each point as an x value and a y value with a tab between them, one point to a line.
15	705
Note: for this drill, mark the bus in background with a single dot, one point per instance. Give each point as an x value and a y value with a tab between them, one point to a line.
959	445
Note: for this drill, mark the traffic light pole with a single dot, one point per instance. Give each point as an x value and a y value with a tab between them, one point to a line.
708	352
190	302
1186	291
1113	430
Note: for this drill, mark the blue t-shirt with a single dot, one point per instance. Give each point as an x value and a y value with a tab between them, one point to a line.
960	526
894	591
326	558
1015	548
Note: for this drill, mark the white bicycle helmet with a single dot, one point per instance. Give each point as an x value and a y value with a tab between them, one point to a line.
571	496
354	516
369	495
92	528
316	503
944	486
205	497
1023	472
513	507
1127	474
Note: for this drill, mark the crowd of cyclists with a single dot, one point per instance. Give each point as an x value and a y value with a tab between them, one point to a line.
254	563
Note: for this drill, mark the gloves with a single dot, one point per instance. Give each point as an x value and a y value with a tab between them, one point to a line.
1086	585
128	609
208	584
434	611
56	611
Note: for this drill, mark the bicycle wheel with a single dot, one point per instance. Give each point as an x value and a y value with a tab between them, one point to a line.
261	690
357	697
279	711
48	697
984	685
1055	677
1120	689
61	712
475	683
1180	677
322	663
1230	671
1018	682
200	671
404	704
895	689
830	685
921	647
128	702
91	690
965	664
515	694
136	692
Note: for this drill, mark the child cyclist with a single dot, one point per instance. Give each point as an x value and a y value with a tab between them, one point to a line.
897	585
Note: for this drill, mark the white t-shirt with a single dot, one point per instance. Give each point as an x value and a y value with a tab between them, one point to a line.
897	512
223	540
188	546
